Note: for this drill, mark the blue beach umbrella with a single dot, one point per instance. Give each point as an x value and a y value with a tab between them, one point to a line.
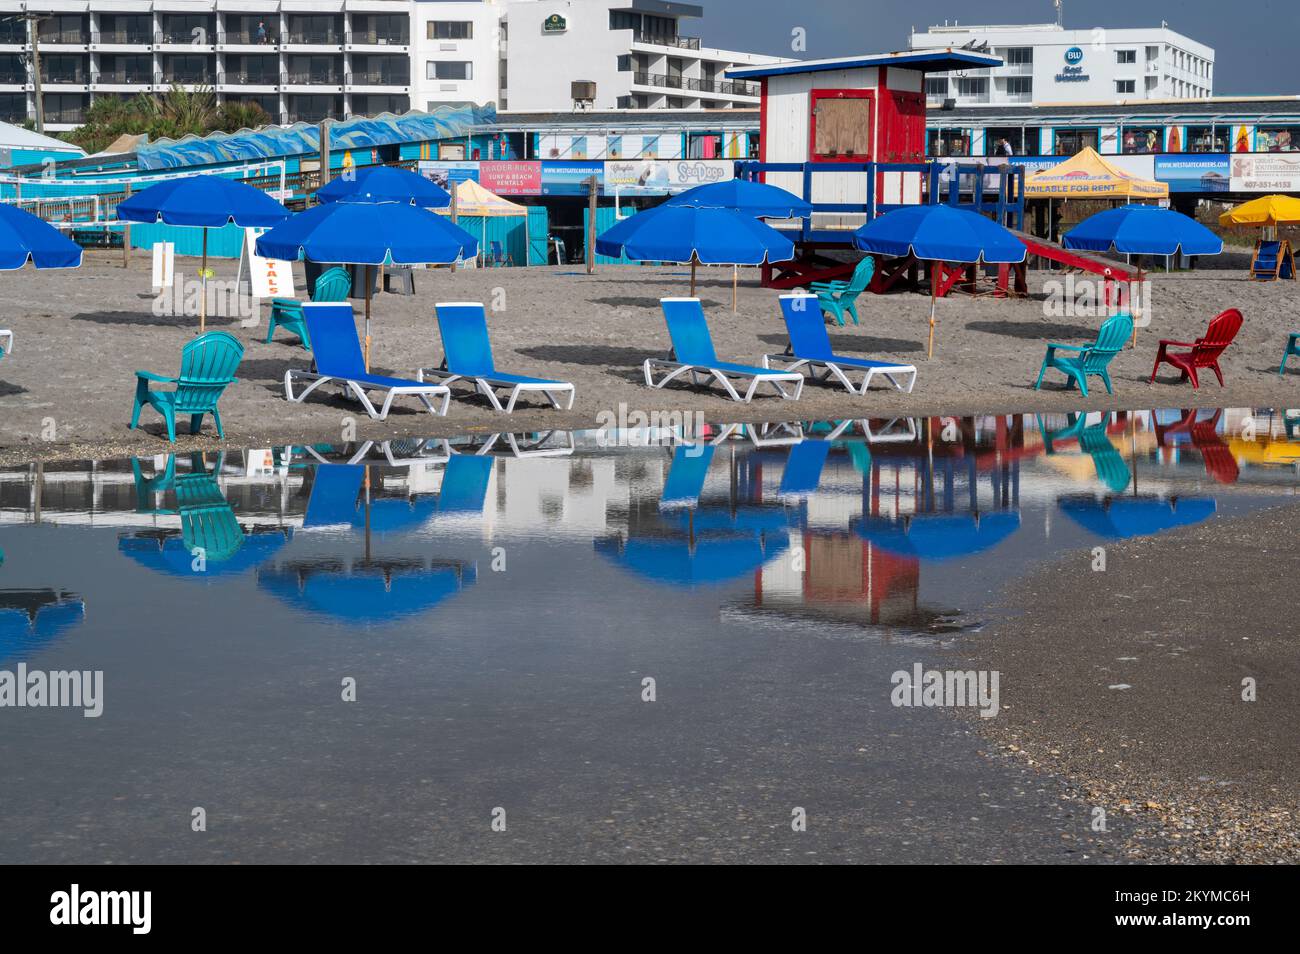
385	184
1143	230
940	233
174	555
939	536
368	233
1118	518
757	199
370	592
711	559
686	233
32	619
205	202
24	238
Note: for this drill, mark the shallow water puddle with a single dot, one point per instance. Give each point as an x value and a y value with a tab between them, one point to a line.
374	646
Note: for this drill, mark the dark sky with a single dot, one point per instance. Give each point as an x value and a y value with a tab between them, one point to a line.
1255	42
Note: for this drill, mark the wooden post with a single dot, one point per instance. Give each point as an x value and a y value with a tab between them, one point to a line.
592	186
323	177
455	210
126	236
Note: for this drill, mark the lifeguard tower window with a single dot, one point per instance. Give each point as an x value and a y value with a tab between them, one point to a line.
841	125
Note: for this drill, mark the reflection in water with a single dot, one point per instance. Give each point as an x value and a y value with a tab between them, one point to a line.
31	619
874	522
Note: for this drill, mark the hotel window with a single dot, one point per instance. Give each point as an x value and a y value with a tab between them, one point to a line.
1020	86
1125	86
936	86
622	20
449	30
1019	56
449	70
1126	57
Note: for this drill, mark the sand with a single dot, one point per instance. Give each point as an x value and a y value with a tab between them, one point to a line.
1178	620
66	391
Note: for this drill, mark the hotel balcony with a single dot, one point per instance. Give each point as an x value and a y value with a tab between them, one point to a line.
248	82
176	41
246	41
312	81
122	41
70	41
661	41
378	81
313	41
370	40
188	78
65	82
14	81
121	81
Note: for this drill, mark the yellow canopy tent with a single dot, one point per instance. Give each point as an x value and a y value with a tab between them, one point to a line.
1086	175
473	200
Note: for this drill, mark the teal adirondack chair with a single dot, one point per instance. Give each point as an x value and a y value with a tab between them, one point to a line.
1093	441
835	298
1093	359
333	285
208	365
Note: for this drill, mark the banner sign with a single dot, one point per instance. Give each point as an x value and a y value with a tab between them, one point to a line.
448	173
1265	172
570	178
268	277
658	176
1194	172
511	178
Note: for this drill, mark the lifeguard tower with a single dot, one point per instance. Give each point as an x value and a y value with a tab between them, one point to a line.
848	135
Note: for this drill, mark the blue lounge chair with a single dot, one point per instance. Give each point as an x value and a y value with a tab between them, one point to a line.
332	285
333	331
1093	359
208	366
835	298
803	468
693	354
810	348
6	342
467	355
498	257
1292	347
465	484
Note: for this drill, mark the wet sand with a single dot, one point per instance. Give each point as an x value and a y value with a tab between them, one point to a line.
66	391
1128	684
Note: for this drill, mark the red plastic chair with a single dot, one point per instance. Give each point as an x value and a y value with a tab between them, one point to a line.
1204	351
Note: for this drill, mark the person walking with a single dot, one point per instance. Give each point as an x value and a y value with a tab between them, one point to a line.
261	31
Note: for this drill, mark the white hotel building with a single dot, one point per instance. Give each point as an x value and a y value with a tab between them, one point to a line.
305	60
1045	63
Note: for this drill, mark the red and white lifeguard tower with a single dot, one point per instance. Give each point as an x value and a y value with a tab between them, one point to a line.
848	135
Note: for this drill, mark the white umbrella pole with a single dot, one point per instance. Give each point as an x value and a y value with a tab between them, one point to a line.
203	275
368	267
934	295
735	272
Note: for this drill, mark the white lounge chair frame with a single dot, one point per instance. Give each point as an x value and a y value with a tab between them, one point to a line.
489	387
358	390
722	377
832	369
7	342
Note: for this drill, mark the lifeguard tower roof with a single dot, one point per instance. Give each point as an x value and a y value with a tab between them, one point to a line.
925	61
